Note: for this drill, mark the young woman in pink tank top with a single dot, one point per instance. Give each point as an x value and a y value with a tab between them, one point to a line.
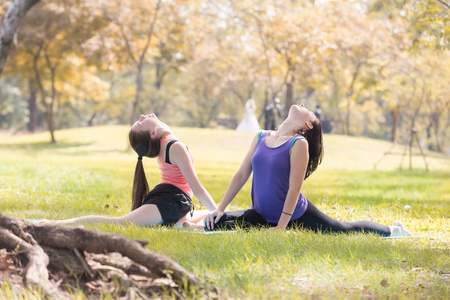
169	202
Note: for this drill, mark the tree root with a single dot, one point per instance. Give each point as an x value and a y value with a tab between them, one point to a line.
94	261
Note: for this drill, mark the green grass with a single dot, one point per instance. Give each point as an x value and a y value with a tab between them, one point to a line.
90	172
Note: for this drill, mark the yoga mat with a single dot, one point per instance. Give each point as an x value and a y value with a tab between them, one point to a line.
213	232
405	237
34	221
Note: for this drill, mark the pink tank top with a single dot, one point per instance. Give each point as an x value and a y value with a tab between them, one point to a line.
171	174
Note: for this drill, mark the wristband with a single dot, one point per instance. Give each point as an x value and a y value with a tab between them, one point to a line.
286	213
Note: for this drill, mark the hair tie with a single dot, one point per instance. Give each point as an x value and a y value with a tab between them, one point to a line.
140	158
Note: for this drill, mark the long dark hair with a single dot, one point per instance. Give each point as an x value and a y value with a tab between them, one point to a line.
315	146
144	145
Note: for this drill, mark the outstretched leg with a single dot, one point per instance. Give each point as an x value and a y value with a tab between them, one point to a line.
316	220
146	215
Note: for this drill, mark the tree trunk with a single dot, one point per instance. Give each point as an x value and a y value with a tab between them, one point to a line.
289	98
412	133
436	127
338	109
347	117
159	75
32	108
263	111
137	98
394	123
91	120
11	21
51	108
335	96
51	129
140	65
348	95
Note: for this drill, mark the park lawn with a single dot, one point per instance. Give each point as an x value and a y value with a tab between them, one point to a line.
89	171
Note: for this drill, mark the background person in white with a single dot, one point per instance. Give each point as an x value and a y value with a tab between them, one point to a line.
250	122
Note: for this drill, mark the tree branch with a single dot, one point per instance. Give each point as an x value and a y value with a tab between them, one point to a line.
150	31
444	3
124	36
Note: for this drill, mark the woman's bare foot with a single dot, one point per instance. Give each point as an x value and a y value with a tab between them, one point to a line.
193	226
397	229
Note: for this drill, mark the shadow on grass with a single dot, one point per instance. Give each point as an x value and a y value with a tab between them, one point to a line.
42	146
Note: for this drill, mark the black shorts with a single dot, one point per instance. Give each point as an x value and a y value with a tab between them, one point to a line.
172	203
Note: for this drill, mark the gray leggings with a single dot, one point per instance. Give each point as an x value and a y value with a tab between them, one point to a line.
313	219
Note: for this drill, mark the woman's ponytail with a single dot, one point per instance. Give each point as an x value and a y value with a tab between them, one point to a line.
315	147
140	185
142	143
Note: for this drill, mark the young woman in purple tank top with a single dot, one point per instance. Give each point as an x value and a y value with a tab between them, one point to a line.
280	161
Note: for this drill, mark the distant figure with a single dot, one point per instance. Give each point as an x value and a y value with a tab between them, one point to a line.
318	112
272	113
250	122
326	124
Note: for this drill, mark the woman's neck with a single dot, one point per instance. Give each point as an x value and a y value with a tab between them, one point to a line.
164	131
284	130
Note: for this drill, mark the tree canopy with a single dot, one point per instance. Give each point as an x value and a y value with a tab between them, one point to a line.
365	63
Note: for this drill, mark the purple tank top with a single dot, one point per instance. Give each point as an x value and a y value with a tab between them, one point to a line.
271	168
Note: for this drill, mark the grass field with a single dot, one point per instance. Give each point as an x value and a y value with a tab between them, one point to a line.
89	171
